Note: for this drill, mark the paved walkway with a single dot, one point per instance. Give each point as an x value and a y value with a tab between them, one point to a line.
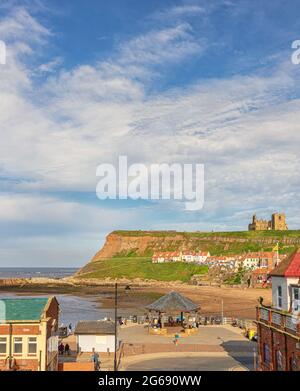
225	342
211	348
206	335
220	361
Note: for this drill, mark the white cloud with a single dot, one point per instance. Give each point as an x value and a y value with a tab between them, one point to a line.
245	129
21	26
167	45
183	11
50	66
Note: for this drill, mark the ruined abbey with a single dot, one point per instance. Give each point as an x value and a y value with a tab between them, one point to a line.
277	223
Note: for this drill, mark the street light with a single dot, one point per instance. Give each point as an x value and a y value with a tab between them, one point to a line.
222	310
127	289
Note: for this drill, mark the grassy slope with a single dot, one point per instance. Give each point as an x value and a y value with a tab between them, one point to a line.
251	241
231	234
129	265
141	267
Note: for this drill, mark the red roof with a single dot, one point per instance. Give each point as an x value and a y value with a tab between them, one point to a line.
289	267
261	254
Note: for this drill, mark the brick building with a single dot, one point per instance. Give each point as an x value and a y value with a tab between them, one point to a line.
28	334
279	325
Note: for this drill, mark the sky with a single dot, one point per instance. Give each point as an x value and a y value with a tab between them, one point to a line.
178	81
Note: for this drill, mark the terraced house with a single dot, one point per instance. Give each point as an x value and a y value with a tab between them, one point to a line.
279	325
256	260
28	334
180	256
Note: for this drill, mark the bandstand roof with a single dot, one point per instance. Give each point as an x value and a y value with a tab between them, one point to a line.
173	301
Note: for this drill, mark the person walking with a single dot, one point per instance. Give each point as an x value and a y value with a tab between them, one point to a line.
176	339
96	359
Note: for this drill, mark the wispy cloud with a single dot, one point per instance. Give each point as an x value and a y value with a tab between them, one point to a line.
21	26
166	45
51	66
180	11
244	128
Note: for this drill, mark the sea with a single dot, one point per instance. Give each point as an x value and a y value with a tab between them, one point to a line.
73	308
33	272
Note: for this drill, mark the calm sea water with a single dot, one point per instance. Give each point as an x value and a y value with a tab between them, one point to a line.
72	308
31	272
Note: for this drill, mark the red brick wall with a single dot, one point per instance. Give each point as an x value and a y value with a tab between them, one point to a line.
277	341
76	366
22	364
33	329
279	345
52	313
20	329
292	351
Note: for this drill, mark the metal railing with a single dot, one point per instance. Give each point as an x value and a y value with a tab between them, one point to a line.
279	319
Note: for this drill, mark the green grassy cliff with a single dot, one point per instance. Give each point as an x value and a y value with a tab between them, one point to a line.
128	253
141	267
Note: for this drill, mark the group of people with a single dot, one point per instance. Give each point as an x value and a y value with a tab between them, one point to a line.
64	349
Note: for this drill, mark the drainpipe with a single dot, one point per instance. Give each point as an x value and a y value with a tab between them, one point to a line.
286	353
10	347
40	360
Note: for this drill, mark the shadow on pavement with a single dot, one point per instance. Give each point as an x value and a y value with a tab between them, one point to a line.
244	352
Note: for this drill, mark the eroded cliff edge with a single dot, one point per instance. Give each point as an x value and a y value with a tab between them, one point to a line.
144	243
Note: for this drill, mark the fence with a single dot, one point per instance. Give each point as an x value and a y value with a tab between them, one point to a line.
203	320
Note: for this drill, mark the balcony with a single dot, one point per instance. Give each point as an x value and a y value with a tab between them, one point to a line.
279	320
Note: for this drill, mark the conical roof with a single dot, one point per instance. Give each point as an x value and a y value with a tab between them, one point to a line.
173	301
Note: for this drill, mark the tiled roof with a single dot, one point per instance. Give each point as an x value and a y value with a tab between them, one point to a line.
260	254
173	301
29	309
289	267
96	327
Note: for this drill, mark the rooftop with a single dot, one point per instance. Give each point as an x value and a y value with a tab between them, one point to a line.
173	301
12	310
261	254
289	267
95	327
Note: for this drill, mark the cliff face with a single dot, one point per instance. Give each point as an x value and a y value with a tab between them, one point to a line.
139	245
144	243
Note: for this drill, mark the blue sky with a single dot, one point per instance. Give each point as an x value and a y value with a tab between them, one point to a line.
160	82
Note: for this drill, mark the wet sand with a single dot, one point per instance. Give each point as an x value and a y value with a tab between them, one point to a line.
237	302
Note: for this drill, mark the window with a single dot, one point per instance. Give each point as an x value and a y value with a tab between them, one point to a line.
3	345
279	365
18	345
32	345
295	299
293	363
266	353
279	297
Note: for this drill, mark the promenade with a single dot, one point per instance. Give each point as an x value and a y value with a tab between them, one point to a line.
210	348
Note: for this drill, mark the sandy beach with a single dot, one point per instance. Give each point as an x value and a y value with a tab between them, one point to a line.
237	302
